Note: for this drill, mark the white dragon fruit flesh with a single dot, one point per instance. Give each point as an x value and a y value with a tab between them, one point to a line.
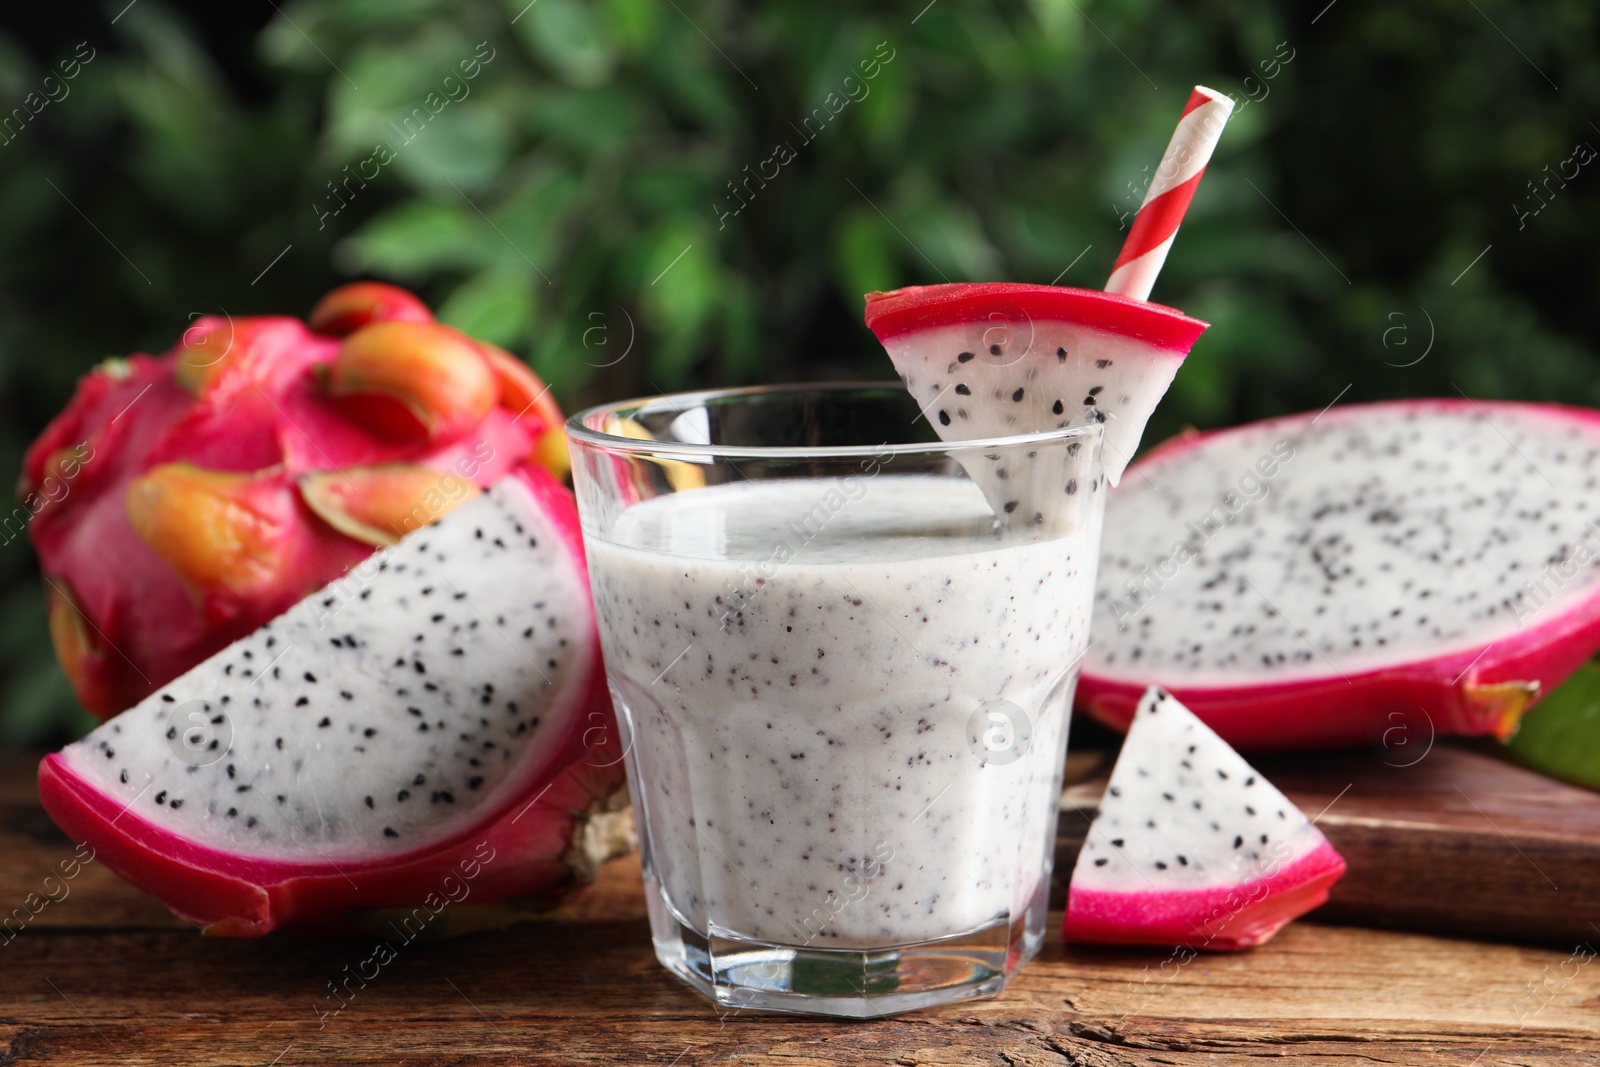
440	707
1371	574
1192	847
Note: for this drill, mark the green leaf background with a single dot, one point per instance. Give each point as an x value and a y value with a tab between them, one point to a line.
572	200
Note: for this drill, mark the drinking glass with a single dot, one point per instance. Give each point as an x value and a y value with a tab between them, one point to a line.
842	654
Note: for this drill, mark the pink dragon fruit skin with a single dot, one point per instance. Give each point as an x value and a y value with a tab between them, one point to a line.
185	521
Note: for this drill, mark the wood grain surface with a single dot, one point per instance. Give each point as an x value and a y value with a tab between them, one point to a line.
105	976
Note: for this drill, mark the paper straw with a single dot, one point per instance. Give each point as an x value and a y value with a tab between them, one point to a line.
1169	194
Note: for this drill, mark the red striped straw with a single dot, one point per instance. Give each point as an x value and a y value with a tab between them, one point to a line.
1169	194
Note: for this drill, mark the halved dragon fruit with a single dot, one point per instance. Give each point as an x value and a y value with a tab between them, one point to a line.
435	719
1192	846
1369	574
1001	358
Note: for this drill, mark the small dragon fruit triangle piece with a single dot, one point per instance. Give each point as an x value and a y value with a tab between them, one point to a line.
1192	846
999	359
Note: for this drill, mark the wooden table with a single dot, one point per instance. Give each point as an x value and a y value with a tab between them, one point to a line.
106	976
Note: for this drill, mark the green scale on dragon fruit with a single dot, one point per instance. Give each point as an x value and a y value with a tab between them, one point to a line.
1192	846
1002	359
424	697
1372	574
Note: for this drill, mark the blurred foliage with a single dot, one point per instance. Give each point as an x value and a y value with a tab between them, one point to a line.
572	200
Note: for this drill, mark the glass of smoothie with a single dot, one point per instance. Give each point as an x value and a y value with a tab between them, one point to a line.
843	654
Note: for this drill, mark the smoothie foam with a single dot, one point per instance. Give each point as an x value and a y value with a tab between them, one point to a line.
847	702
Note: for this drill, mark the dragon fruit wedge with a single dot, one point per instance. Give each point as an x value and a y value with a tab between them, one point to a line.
432	726
1372	574
207	490
1192	847
999	359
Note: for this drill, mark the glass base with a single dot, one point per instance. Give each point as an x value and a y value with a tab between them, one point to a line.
861	983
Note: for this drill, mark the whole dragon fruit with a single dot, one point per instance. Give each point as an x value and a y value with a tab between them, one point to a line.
198	494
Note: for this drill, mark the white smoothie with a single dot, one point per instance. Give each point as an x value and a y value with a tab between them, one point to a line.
799	663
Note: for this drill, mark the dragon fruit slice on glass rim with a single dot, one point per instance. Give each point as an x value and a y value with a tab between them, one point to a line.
196	495
1192	847
996	359
435	719
1375	573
